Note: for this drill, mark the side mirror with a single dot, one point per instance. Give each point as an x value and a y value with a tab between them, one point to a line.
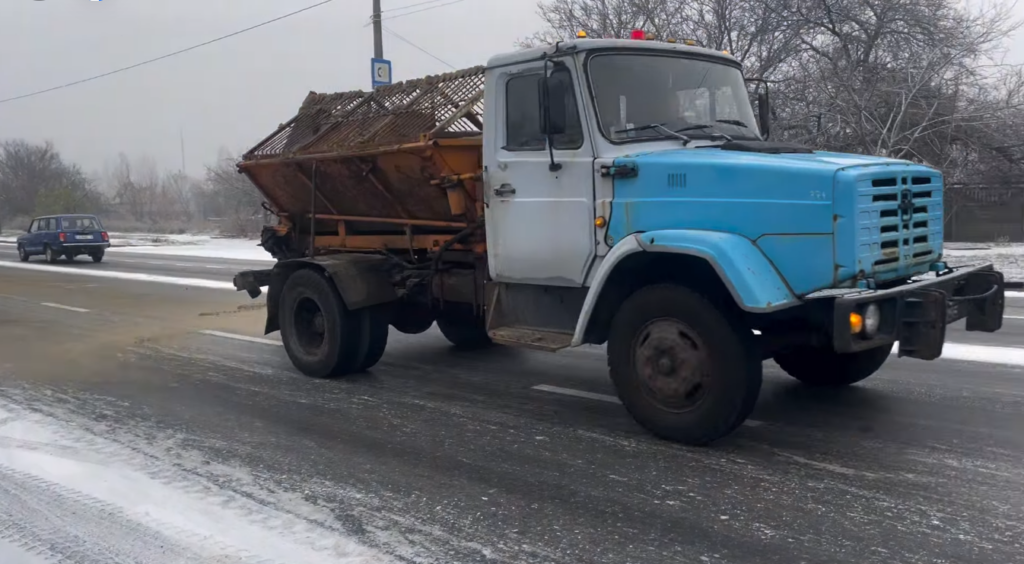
553	115
764	112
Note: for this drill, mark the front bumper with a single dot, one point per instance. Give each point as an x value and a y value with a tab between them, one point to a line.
917	314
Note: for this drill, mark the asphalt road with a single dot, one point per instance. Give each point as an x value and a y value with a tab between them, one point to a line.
441	456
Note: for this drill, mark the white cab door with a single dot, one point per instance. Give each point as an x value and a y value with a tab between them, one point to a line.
540	223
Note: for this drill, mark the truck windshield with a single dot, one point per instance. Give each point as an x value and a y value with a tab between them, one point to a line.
634	91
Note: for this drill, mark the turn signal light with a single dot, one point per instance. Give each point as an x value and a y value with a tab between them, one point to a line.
600	222
856	323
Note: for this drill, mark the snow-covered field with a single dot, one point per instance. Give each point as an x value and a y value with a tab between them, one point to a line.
1007	257
210	246
67	495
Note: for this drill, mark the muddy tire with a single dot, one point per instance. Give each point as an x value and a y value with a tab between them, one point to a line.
23	255
378	329
825	368
322	338
684	370
51	256
463	328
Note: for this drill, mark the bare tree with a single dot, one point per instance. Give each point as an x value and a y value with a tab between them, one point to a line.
236	197
136	186
34	179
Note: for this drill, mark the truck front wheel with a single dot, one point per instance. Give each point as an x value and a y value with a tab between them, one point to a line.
463	328
322	338
822	367
684	370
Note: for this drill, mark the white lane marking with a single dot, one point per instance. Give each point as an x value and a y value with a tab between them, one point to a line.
607	398
243	338
577	393
69	308
1013	317
136	276
978	353
1010	294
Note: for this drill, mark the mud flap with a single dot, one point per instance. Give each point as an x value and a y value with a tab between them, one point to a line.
923	324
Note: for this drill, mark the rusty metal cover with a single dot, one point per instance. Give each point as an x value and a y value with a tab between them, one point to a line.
444	105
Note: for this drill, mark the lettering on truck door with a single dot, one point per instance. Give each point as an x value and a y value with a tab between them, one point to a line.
540	224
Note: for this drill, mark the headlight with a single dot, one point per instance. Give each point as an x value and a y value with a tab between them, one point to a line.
872	320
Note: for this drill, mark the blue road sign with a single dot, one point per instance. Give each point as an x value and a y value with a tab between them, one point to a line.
381	72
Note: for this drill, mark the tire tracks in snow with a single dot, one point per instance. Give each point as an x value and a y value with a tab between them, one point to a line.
63	525
60	527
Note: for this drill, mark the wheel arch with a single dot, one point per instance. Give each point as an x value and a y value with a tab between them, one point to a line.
727	268
361	280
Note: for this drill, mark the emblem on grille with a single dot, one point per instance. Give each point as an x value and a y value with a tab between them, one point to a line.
906	206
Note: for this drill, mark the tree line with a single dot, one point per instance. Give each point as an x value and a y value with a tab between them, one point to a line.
36	180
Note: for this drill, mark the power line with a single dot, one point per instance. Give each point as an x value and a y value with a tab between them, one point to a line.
417	47
428	8
167	56
407	6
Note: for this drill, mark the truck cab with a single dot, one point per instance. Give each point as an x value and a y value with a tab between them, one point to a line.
605	192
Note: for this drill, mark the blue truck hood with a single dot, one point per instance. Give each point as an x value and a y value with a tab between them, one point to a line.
784	202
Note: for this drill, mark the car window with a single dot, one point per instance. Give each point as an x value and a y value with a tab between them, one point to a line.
46	224
522	115
34	226
79	223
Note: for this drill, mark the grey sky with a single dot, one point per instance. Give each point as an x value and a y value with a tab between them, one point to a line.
229	94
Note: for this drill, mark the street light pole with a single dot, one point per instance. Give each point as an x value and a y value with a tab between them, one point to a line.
378	37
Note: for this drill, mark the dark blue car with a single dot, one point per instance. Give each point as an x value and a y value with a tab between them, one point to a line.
65	236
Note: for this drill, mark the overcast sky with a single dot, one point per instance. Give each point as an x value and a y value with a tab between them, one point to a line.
229	94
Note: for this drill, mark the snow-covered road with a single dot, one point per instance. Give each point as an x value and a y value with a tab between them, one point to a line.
70	496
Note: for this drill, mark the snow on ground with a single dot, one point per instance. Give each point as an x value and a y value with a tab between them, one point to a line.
238	249
1007	257
208	246
68	494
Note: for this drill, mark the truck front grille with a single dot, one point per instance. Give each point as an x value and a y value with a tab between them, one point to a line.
899	222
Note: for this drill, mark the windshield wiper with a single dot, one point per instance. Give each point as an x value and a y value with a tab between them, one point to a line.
735	122
705	126
678	134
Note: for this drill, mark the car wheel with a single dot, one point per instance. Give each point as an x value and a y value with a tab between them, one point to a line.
97	257
684	369
22	254
70	257
51	256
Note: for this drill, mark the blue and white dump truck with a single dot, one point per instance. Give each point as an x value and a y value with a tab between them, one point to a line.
612	192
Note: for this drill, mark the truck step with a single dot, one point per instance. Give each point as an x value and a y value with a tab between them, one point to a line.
549	341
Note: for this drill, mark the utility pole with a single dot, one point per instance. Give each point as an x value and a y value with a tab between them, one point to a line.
378	37
181	134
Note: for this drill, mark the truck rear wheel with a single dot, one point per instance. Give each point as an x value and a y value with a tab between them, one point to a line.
826	368
322	338
463	328
378	328
684	370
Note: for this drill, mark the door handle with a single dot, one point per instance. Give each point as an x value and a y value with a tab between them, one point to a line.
504	190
